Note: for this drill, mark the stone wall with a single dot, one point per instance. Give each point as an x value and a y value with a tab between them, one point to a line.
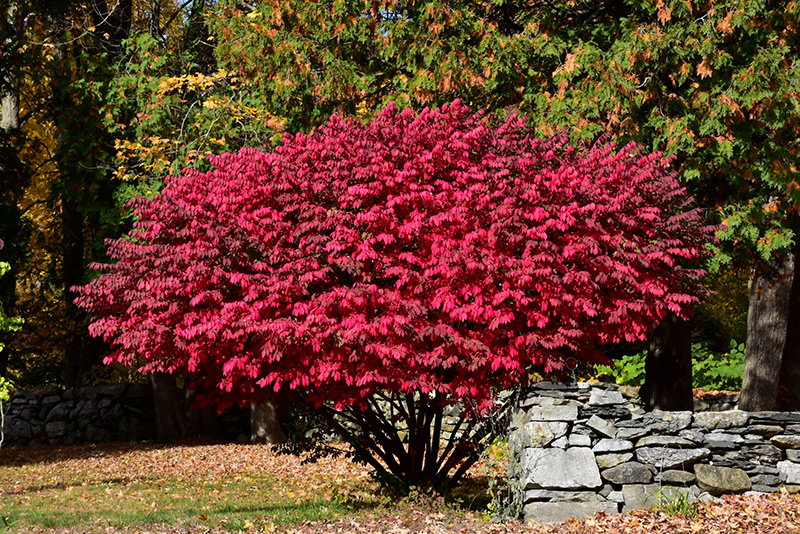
48	415
584	448
118	412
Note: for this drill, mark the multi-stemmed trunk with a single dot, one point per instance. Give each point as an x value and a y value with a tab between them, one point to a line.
421	453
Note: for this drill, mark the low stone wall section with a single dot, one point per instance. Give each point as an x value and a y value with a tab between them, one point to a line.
49	415
583	448
117	412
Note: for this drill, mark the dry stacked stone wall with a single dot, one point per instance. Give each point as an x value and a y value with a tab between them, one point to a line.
584	448
118	412
49	415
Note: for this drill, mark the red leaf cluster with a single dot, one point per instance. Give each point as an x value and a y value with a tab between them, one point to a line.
445	251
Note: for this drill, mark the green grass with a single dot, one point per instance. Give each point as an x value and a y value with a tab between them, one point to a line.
230	503
207	487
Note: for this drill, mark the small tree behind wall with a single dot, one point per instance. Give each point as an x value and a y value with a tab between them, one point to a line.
421	260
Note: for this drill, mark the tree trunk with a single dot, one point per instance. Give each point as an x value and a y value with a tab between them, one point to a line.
171	423
668	366
154	22
76	363
770	291
788	390
264	424
10	103
10	220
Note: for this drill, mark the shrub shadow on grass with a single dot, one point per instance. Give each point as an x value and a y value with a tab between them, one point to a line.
17	455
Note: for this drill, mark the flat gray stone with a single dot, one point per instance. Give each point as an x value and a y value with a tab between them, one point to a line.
786	442
537	434
553	413
721	445
675	477
572	468
720	420
557	512
721	480
765	430
51	399
639	496
761	489
55	429
600	397
628	473
561	443
613	412
630	433
760	453
760	470
20	429
765	480
668	458
616	496
664	441
604	461
636	422
580	440
770	418
612	445
582	430
692	435
671	422
58	413
725	437
789	472
560	496
601	426
793	455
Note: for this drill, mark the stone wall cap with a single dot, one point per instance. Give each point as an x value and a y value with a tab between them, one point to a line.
721	420
563	412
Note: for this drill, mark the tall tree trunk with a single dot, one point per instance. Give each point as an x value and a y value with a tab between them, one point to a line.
10	87
76	360
154	22
770	291
171	425
264	424
788	390
668	366
10	219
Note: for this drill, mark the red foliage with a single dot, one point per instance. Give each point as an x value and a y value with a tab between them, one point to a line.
443	251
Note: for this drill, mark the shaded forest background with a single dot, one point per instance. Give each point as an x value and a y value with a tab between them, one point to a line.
103	99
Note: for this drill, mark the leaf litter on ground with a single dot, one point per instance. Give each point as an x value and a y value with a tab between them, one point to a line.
136	472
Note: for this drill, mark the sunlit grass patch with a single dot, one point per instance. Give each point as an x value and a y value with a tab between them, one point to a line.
186	488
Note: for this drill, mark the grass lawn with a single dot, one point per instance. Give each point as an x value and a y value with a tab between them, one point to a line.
203	488
200	487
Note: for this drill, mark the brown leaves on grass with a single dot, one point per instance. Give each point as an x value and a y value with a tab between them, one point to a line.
124	462
779	514
24	470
